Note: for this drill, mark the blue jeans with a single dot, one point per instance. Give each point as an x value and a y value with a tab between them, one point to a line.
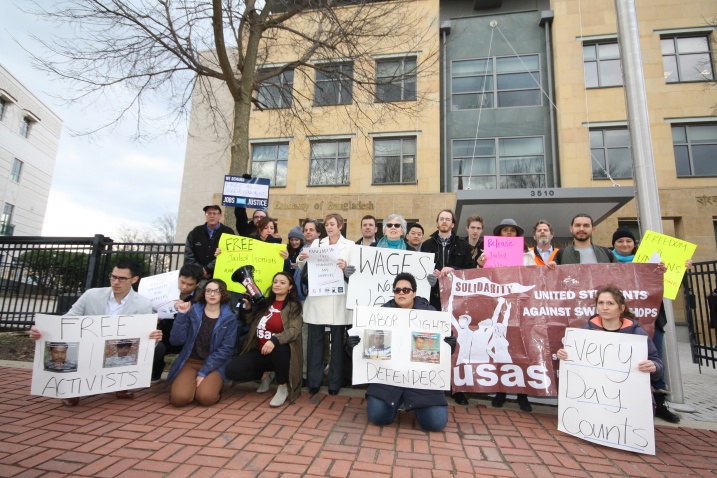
658	339
433	419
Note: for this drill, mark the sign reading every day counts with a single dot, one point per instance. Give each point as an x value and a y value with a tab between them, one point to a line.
87	355
602	396
240	251
402	347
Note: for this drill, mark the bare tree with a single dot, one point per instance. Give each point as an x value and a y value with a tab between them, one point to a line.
163	230
173	49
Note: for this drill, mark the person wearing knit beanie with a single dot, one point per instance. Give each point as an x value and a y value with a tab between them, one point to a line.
624	245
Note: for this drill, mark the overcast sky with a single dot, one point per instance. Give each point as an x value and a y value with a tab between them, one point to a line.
102	183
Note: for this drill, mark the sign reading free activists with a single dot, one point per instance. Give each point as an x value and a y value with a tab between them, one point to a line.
87	355
510	321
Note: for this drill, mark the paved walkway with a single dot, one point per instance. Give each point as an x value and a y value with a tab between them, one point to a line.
320	436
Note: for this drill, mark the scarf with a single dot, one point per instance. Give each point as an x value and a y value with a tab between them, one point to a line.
387	244
622	258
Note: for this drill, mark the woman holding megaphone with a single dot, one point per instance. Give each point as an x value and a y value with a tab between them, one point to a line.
273	344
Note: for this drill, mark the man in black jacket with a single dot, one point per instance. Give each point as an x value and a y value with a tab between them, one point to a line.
450	251
203	240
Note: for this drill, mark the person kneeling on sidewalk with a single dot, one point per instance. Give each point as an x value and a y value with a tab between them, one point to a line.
273	345
384	401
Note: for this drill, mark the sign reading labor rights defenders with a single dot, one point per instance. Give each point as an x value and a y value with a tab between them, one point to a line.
245	193
509	321
87	355
402	347
240	251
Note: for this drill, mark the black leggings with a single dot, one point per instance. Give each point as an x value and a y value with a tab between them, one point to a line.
252	365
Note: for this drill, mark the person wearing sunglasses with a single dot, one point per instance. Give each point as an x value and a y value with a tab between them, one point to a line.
383	401
207	332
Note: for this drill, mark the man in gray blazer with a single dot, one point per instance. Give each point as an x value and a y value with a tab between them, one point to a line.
117	299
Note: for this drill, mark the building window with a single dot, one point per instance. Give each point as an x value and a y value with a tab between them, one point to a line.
610	153
396	80
630	224
687	58
329	163
25	126
695	149
270	161
602	65
499	163
334	84
3	105
394	160
277	91
501	82
6	226
16	170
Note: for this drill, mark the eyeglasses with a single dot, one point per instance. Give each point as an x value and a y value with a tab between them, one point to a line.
402	290
121	280
393	225
212	214
445	219
212	291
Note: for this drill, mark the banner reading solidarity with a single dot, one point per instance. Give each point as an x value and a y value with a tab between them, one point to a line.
240	251
603	397
87	355
510	321
376	268
402	347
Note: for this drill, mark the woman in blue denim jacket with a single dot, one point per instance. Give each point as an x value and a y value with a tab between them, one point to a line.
207	331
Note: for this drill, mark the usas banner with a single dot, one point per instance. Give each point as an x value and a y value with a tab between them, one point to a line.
510	321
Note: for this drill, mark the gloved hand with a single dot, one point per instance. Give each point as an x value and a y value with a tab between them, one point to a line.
432	279
246	176
349	270
353	341
450	340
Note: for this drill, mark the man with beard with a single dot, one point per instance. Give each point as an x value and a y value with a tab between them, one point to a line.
582	251
451	253
544	251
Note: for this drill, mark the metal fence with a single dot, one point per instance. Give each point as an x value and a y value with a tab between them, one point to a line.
47	274
701	283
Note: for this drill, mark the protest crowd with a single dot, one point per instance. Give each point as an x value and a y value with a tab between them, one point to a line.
299	339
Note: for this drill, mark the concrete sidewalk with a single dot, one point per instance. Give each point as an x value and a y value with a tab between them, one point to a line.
322	436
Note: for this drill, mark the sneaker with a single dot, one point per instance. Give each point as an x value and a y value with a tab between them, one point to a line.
660	391
280	396
265	383
155	381
665	413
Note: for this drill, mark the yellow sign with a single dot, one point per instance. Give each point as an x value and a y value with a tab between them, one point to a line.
673	252
240	251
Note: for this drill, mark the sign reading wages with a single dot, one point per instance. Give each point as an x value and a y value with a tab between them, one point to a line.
376	268
87	355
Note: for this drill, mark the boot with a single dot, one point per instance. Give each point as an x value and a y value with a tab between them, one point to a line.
661	411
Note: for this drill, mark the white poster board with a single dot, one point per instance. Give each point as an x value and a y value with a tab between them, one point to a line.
376	268
102	353
325	277
162	290
602	396
402	347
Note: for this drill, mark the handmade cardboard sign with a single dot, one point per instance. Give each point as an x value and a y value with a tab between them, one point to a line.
503	251
602	397
325	276
402	347
162	291
87	355
376	268
673	252
240	251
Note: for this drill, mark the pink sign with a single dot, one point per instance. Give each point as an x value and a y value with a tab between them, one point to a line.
503	251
